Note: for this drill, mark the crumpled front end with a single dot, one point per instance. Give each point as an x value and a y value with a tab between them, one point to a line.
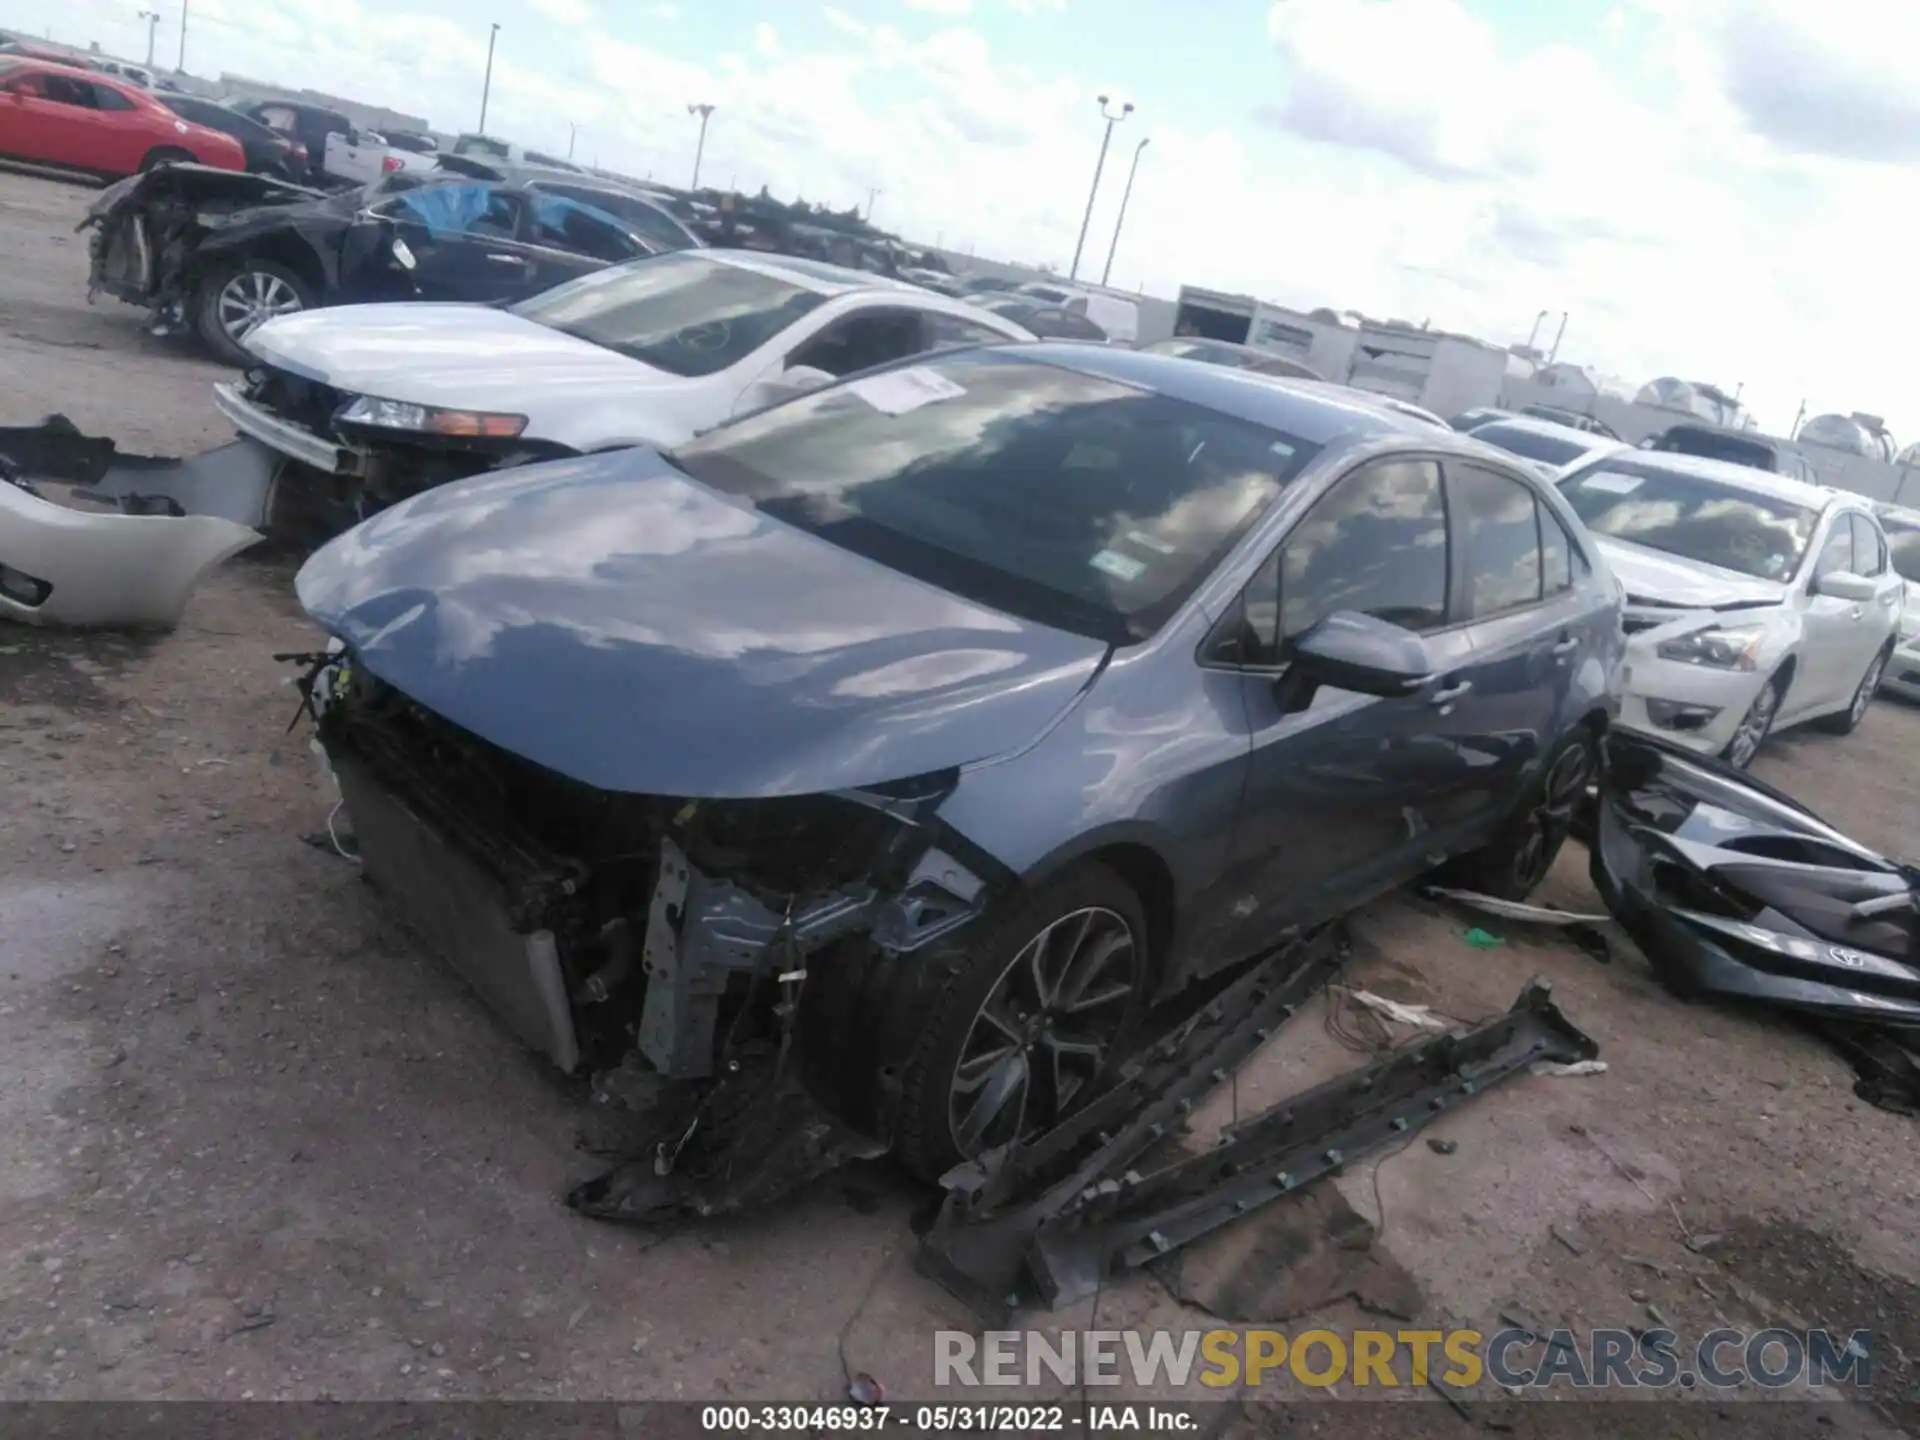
147	227
1733	890
676	941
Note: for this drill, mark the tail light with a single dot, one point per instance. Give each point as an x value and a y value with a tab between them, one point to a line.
298	152
389	164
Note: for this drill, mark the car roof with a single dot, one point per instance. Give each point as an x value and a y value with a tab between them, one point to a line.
1886	510
1738	477
815	275
1551	429
1308	410
75	71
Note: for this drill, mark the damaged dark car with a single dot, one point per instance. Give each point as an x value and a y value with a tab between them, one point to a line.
217	253
893	750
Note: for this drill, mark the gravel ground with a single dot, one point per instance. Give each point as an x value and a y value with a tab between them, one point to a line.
252	1145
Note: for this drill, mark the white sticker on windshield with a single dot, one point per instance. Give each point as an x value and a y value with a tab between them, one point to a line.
898	391
1611	482
1121	567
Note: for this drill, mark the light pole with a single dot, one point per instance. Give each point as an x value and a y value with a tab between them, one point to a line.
181	63
152	17
573	133
1098	165
1558	335
705	112
1125	195
486	86
1534	333
873	194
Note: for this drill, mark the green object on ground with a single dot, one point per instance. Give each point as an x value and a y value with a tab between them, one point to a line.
1482	940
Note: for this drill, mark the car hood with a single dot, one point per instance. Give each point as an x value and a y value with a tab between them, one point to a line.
195	184
1670	580
615	621
467	357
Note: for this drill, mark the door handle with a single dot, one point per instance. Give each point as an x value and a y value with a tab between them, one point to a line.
1858	612
1441	698
1566	645
508	259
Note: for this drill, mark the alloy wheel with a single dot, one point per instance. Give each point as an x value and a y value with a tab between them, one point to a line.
1869	683
1045	1031
1754	726
252	298
1560	791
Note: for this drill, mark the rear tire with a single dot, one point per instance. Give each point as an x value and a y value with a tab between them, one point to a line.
232	301
1845	722
1041	1003
164	155
1515	861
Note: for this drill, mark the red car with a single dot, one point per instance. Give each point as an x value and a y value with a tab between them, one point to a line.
77	119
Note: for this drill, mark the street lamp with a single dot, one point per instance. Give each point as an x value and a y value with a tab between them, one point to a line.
873	194
181	63
573	133
486	87
152	17
1098	165
1125	196
705	112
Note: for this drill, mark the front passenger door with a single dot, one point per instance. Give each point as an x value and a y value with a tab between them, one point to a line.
465	244
1826	670
1336	807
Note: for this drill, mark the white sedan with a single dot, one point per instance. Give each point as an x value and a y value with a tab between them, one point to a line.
1754	602
388	400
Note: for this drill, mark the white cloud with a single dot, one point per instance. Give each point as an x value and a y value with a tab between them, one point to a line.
941	7
567	12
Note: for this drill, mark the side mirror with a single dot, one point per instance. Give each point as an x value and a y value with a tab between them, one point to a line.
1844	585
1356	652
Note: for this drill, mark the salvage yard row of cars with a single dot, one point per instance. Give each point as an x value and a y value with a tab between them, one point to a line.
738	662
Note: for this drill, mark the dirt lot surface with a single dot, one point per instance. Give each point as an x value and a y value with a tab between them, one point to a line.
253	1145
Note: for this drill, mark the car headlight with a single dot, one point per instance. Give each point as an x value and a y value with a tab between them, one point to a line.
1721	647
429	419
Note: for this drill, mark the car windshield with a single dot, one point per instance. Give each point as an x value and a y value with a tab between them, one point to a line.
1903	540
1066	498
1211	351
1693	517
681	313
1531	444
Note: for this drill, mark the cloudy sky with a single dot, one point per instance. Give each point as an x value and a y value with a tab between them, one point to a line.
1714	188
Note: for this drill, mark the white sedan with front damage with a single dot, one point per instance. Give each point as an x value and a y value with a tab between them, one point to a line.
1754	602
354	408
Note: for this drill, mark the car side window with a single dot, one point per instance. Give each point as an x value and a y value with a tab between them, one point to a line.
107	99
64	90
950	331
865	338
562	224
1556	555
1375	543
448	211
1869	550
1495	518
1837	553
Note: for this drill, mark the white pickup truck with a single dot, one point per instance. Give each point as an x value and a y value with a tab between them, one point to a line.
338	151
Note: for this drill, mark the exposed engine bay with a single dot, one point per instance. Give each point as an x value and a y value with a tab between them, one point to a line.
603	927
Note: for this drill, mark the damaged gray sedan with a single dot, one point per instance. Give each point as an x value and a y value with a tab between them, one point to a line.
895	749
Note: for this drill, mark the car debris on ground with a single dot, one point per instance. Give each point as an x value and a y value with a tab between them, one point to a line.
1737	892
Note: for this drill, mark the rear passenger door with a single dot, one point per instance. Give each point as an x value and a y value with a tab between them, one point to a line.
1528	622
567	239
465	242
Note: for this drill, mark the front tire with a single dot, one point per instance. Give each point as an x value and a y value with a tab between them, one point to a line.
233	302
1041	1004
1846	721
1756	725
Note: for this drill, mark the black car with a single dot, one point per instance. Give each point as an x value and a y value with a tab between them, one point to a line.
221	252
310	125
1047	321
268	151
